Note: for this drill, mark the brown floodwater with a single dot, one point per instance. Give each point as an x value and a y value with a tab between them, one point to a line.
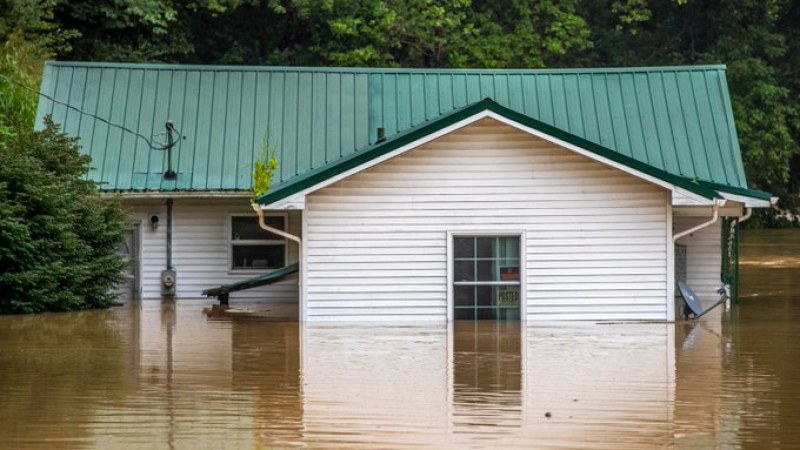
166	375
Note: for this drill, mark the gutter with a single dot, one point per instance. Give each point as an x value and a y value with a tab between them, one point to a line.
714	217
159	195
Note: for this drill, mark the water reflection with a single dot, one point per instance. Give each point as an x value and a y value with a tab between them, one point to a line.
163	375
49	382
486	377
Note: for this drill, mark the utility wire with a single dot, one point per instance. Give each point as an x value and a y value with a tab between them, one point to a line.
94	116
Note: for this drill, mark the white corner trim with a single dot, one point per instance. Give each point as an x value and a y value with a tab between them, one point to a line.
303	257
450	301
671	317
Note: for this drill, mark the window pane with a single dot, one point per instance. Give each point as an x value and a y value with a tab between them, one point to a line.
245	228
258	256
464	247
485	295
464	296
508	247
507	297
464	270
486	271
509	270
485	247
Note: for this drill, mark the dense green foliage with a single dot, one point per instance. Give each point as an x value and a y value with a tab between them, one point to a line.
59	240
19	69
757	39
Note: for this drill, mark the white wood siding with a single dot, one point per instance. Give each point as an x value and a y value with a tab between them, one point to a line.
200	249
703	255
596	238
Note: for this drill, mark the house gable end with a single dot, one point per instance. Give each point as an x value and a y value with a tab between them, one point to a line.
295	189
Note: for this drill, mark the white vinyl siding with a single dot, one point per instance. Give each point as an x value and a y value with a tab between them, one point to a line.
200	249
595	237
703	256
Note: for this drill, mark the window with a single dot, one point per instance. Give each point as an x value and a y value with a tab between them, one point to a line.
254	248
486	278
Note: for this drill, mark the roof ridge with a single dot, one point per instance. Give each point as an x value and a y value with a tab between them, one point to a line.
379	70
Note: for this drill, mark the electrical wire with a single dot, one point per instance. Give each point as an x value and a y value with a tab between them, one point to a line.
96	117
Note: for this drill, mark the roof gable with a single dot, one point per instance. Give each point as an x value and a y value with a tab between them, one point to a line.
675	119
416	136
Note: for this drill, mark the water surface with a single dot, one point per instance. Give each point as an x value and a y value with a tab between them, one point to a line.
153	375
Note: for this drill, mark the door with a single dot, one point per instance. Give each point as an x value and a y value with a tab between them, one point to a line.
130	251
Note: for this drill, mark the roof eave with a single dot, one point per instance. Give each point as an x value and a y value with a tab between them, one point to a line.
751	198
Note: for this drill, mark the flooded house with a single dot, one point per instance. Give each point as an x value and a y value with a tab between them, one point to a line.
418	195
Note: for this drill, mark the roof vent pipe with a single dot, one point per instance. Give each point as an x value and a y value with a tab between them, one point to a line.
381	134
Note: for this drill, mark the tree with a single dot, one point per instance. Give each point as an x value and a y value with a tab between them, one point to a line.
755	39
59	239
20	68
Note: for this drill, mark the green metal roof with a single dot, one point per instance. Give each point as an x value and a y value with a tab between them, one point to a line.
675	119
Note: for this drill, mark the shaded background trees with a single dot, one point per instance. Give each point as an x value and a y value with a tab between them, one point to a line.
756	39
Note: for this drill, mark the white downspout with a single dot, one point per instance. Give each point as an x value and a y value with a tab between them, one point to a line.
746	215
280	233
265	227
714	217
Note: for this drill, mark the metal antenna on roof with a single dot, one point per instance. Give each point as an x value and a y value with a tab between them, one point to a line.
170	174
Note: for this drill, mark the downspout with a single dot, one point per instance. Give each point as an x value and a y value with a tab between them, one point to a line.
169	233
265	227
714	217
713	220
746	215
168	275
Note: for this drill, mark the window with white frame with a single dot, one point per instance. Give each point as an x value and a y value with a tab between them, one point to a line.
486	277
253	248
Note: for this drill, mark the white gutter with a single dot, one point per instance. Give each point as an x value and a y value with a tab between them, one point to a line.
157	195
265	227
714	217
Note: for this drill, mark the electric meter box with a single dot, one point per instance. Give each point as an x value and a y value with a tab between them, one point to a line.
168	282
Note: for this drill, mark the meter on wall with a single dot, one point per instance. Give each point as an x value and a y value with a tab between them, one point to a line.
168	281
